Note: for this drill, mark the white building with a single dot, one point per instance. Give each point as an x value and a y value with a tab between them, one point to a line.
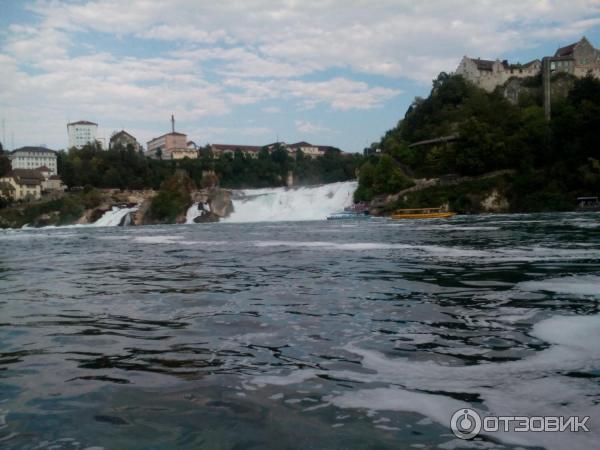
314	151
34	157
81	133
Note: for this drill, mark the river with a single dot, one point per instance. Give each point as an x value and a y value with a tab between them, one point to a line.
306	334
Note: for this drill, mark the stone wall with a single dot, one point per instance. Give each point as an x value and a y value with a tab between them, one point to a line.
497	76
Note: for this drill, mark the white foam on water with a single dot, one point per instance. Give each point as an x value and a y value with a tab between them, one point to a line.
357	246
585	224
162	239
291	204
580	285
34	233
331	245
395	399
175	240
295	377
451	227
519	254
534	385
537	253
580	332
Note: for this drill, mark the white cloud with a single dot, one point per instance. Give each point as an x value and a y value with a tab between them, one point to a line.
340	93
271	109
385	37
224	56
208	133
307	127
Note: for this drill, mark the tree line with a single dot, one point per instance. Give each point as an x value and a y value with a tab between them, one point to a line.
126	168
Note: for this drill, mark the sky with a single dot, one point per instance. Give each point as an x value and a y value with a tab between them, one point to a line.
330	72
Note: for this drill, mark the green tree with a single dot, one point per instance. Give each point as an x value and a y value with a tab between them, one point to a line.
5	165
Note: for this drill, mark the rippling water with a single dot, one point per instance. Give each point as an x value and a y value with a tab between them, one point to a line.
298	335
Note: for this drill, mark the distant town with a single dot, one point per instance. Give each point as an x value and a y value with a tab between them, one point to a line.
35	169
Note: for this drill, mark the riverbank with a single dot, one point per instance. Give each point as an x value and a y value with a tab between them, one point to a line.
89	206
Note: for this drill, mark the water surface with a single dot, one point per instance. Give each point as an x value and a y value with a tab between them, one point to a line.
298	334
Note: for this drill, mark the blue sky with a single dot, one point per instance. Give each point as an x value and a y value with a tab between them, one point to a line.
248	71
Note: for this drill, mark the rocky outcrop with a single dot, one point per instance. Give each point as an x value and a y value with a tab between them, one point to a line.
216	202
495	202
111	198
46	219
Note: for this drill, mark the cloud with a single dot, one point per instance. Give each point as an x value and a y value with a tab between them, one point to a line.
271	109
337	93
210	133
307	127
340	93
213	59
383	37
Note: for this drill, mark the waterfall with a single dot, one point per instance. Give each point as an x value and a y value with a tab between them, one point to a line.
196	210
192	213
115	217
281	204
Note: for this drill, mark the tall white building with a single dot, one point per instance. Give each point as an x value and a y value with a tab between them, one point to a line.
81	133
33	158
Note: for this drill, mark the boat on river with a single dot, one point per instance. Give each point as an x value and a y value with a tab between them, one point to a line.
422	213
588	204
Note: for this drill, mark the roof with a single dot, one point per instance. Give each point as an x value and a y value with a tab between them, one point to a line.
324	148
175	133
26	173
302	144
530	63
562	58
43	169
82	122
55	177
28	177
566	50
120	133
243	148
33	150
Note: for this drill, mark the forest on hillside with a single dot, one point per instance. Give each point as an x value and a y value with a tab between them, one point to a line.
553	161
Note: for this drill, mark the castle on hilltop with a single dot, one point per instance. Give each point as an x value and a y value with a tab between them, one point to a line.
578	59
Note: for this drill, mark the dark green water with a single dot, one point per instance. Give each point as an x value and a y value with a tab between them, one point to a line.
298	335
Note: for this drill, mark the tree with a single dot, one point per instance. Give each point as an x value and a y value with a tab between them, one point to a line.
5	165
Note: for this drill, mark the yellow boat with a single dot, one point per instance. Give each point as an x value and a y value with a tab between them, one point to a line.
422	213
